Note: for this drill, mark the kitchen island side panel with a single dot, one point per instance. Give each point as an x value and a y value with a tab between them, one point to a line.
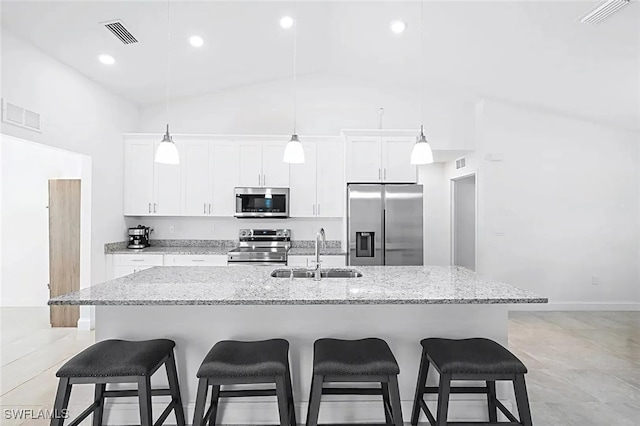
196	328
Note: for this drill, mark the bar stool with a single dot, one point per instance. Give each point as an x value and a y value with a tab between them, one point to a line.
120	361
232	362
470	359
347	361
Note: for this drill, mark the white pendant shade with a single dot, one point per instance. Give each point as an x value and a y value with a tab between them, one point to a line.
167	152
421	153
293	152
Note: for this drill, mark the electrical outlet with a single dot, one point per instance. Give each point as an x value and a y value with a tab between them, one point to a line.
595	280
172	229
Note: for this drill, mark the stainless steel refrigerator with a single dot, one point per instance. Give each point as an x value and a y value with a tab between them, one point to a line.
384	224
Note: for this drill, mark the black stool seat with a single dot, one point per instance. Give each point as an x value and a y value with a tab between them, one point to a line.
472	356
336	357
231	358
111	358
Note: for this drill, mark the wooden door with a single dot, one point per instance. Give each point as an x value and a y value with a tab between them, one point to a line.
64	247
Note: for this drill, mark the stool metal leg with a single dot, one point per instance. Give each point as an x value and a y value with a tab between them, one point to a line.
215	398
174	386
522	400
201	400
144	397
491	401
292	407
422	381
283	400
386	403
99	398
314	400
443	399
394	395
61	402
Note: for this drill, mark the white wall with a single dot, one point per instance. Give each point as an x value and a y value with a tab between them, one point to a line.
464	222
436	214
79	116
26	170
558	203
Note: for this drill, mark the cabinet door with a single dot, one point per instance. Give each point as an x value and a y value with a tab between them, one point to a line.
331	185
299	261
250	164
333	261
167	199
138	177
196	193
275	172
224	161
396	154
364	160
303	184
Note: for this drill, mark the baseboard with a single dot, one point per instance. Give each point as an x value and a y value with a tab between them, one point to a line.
84	324
577	306
249	413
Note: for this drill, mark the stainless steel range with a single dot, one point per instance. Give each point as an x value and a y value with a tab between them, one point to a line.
261	247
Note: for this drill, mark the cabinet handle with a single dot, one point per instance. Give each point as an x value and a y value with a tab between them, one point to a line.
379	174
385	173
154	207
264	180
209	208
258	179
314	209
197	260
137	260
318	209
205	208
149	207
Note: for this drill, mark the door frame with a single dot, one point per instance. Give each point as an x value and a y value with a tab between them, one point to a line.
452	216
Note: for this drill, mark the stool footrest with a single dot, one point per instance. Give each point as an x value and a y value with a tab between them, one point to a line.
90	409
166	413
246	393
351	391
458	389
127	393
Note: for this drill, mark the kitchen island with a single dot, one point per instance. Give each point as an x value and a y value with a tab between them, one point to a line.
198	306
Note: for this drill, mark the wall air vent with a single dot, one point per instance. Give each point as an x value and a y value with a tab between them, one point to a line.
603	11
19	116
461	162
120	31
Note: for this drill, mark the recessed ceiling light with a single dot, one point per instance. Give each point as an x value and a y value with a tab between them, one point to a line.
107	59
286	22
398	26
196	41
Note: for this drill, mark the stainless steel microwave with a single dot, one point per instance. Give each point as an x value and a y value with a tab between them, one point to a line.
262	202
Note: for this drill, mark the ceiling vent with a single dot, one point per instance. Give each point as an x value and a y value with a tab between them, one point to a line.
118	29
603	11
461	162
20	116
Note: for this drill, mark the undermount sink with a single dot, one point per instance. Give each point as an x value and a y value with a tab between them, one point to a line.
325	273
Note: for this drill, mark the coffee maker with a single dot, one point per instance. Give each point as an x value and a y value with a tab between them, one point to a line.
139	237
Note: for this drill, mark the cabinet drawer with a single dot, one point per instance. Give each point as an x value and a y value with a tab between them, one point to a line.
195	260
137	259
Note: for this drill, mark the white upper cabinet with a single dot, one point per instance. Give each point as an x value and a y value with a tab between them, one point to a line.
251	164
331	187
150	188
196	186
380	159
318	185
364	160
224	160
138	177
303	184
275	172
396	154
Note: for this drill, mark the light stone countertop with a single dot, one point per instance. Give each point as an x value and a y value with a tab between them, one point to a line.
253	285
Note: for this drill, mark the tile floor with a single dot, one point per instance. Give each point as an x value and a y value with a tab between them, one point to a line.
584	367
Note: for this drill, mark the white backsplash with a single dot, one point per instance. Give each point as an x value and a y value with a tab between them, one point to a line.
218	228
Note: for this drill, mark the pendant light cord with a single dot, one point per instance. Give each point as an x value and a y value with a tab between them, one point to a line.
421	62
168	61
295	64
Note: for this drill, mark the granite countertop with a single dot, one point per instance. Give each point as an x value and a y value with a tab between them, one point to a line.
253	285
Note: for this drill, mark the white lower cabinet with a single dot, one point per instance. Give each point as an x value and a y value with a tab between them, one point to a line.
121	271
195	260
327	261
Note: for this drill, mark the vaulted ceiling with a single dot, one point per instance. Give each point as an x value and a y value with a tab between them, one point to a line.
531	52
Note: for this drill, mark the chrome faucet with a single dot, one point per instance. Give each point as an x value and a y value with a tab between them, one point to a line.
317	272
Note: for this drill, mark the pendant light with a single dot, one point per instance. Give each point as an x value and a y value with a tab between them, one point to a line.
421	152
167	152
293	152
